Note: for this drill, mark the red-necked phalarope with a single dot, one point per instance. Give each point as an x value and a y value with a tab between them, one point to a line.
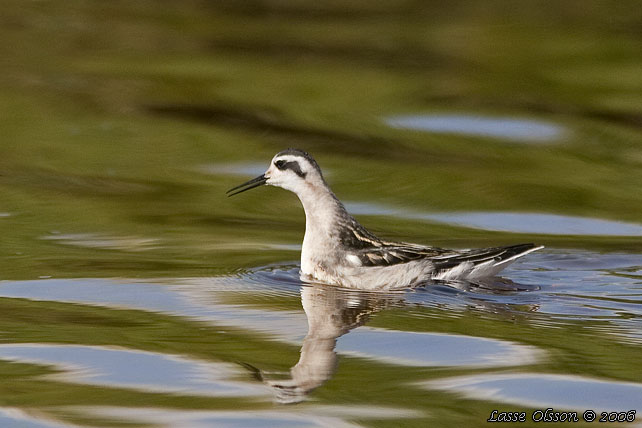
338	250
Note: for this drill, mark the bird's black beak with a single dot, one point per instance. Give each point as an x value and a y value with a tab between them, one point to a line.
255	182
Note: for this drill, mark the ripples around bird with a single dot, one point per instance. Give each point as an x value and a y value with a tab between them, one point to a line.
548	294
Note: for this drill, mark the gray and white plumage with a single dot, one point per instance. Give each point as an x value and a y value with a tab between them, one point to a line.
338	250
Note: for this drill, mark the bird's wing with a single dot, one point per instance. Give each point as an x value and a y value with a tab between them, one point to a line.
395	253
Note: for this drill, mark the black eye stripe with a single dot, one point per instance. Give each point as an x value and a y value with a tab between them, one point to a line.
292	165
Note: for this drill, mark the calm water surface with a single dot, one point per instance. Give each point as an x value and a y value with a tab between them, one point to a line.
134	293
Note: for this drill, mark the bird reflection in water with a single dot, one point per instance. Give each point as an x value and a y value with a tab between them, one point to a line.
331	313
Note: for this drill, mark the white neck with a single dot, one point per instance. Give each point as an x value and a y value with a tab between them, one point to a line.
322	209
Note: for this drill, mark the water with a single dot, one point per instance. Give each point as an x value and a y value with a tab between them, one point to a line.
133	292
130	369
568	392
536	223
520	130
303	337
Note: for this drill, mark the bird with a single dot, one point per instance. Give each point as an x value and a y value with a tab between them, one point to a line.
337	250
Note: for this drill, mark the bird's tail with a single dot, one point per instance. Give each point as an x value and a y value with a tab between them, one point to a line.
480	263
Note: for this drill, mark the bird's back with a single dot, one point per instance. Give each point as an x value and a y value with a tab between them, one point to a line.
367	258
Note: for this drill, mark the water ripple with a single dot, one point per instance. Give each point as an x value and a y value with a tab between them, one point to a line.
127	368
517	222
22	418
547	390
311	417
509	128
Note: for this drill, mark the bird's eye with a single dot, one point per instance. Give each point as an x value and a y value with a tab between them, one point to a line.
280	164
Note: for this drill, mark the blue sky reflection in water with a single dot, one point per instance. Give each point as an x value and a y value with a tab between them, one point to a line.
548	390
16	418
132	369
320	417
505	128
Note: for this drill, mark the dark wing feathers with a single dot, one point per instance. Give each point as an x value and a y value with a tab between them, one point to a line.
394	253
373	251
497	254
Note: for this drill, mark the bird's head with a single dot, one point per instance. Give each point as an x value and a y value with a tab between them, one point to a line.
291	169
